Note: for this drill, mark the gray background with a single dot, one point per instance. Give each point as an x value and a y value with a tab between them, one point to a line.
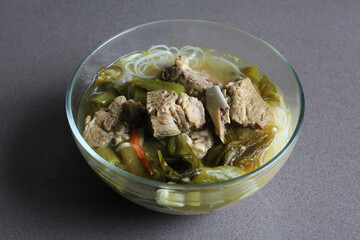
48	192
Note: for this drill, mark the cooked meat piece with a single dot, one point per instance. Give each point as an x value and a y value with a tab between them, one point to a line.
93	134
163	125
194	110
122	133
194	82
218	109
125	110
176	111
110	124
170	114
247	106
158	105
117	105
200	141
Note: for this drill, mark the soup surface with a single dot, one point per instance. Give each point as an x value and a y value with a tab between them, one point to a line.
184	115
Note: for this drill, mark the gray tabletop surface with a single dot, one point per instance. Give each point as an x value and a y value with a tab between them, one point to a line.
47	191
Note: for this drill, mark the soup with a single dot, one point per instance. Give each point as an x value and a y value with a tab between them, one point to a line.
185	115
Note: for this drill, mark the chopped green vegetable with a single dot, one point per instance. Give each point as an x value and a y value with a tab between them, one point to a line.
112	72
182	148
252	72
140	96
267	88
244	146
212	157
171	146
217	174
187	156
168	171
182	163
173	157
108	74
231	152
151	145
246	135
109	155
157	84
104	99
131	160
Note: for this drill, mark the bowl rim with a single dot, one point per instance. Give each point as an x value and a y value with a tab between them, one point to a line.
77	135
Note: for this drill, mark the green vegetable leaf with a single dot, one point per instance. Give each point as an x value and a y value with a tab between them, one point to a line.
217	174
252	72
180	164
157	84
140	96
109	155
104	99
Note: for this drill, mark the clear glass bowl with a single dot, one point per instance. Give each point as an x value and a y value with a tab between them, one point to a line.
180	198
